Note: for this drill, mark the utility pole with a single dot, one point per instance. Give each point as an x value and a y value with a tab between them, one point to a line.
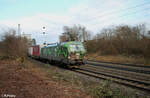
19	30
83	31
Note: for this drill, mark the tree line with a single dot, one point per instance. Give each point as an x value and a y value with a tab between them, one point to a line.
115	40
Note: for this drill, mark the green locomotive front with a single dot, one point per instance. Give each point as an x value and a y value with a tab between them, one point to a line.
75	52
71	53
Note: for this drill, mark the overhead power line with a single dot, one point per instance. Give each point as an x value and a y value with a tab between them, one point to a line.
111	13
119	17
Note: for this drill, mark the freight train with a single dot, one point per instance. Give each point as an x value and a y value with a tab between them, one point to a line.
68	53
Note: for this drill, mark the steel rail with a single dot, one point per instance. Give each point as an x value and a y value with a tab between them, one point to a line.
134	75
121	67
124	81
126	64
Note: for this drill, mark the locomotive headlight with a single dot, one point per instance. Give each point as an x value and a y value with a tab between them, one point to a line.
68	57
77	54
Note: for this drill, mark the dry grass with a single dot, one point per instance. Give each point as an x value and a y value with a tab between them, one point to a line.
27	80
118	59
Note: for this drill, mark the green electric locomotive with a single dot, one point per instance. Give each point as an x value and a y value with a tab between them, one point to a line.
70	53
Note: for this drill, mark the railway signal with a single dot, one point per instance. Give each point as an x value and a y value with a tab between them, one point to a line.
44	33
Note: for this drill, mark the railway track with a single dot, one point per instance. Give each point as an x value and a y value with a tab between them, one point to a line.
131	78
141	82
132	75
136	76
130	68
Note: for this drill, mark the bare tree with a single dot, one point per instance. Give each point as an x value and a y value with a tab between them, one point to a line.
123	40
75	33
14	46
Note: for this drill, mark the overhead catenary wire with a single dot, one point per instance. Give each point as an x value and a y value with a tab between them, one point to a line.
113	12
119	17
127	14
112	20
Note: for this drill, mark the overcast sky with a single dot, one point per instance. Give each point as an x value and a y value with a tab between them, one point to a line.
54	14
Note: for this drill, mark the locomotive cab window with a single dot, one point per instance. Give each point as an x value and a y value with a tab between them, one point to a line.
76	47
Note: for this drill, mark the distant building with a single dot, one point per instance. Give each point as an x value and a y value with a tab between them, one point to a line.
28	36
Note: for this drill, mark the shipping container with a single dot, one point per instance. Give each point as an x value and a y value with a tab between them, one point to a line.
30	51
36	51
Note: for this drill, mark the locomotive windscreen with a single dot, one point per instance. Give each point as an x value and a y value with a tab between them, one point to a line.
76	47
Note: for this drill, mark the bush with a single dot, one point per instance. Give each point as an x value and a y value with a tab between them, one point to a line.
105	91
13	46
121	40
